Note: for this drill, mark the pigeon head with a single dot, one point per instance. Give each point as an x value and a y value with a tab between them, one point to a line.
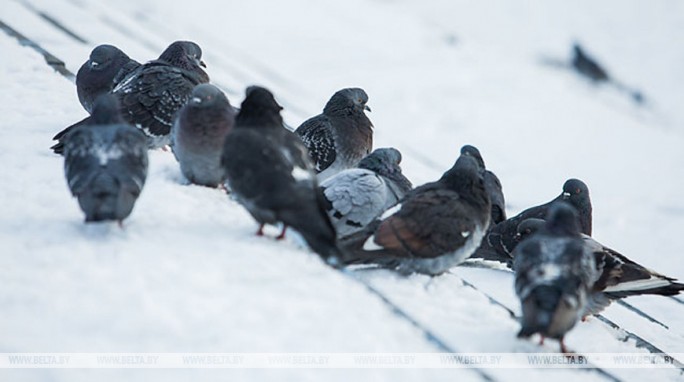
207	95
106	110
576	193
184	54
465	177
385	162
473	152
527	227
347	101
103	56
562	220
259	109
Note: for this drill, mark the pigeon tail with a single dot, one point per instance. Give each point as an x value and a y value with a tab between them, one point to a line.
541	306
669	288
101	200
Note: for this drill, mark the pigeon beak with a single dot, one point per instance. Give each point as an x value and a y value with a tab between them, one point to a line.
366	107
94	64
196	100
566	195
202	64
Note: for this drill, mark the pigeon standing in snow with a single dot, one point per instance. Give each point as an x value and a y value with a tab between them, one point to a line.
105	163
500	240
340	137
151	95
269	172
555	274
492	185
620	276
105	68
435	227
199	133
357	196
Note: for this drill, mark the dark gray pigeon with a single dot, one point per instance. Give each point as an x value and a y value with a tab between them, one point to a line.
435	227
359	195
151	95
105	163
105	68
269	172
620	276
554	276
492	185
500	240
199	133
340	137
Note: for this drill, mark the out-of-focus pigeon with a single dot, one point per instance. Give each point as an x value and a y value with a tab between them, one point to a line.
620	276
357	196
555	274
269	172
199	133
492	185
435	227
105	68
587	66
151	95
106	163
340	137
500	240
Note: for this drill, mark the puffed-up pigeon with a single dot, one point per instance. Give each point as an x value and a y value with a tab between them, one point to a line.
151	95
199	133
357	196
492	185
554	275
269	172
105	68
435	227
341	136
105	163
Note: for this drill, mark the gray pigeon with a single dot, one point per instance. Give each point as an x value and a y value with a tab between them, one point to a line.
500	240
435	227
359	195
340	137
269	172
105	68
492	185
620	276
151	95
554	275
105	163
199	133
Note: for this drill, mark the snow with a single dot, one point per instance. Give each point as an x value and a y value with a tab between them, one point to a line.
187	274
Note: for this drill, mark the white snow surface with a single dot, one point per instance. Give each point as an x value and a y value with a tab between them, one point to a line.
187	273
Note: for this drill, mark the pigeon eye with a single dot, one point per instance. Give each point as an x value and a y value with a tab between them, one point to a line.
578	191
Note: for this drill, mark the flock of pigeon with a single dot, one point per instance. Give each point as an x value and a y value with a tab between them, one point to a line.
351	205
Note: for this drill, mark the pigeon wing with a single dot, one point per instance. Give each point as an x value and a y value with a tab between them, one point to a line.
316	133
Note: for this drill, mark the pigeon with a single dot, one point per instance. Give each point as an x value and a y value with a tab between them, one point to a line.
199	132
105	163
355	197
269	172
340	137
151	95
435	227
105	68
499	242
587	66
492	185
620	276
554	276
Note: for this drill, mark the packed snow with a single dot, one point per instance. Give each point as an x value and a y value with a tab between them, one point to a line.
187	274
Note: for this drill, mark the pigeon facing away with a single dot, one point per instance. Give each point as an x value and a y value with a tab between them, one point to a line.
105	163
492	185
435	227
340	137
554	276
500	240
199	133
269	172
357	196
105	68
620	276
150	96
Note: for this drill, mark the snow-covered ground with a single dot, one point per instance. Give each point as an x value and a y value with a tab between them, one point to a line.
186	274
